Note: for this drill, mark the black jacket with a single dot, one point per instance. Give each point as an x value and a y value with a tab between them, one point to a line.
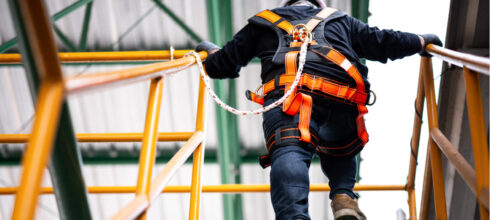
353	38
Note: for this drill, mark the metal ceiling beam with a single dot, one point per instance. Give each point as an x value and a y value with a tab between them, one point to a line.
177	20
30	20
86	22
64	38
12	42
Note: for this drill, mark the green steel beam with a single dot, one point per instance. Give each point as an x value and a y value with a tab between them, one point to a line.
70	9
86	22
65	164
12	42
177	20
226	137
7	45
360	10
235	146
64	38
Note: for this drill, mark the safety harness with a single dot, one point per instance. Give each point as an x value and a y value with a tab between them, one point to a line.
291	35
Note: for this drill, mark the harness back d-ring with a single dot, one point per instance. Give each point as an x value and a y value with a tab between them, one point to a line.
374	98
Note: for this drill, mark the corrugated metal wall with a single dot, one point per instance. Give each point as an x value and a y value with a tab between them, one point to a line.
139	25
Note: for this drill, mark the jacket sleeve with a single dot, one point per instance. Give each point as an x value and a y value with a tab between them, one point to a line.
226	63
380	45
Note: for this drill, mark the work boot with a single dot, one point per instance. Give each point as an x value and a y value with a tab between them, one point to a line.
346	208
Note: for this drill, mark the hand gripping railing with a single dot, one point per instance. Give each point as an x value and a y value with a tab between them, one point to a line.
477	181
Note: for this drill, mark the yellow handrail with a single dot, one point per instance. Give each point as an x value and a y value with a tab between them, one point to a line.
112	56
433	177
223	188
130	75
476	63
105	137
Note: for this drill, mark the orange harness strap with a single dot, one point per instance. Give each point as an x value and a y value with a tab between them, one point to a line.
273	18
297	102
321	84
339	59
302	103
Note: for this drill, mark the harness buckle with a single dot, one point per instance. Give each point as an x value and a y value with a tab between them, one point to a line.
259	91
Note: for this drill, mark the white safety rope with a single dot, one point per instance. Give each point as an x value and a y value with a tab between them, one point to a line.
206	79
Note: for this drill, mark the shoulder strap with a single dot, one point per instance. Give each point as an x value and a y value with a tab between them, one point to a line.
276	20
322	15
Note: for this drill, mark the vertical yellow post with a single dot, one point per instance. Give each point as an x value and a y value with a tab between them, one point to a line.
197	163
39	146
148	147
427	185
478	134
414	146
435	152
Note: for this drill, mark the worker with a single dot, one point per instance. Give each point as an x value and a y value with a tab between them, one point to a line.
324	113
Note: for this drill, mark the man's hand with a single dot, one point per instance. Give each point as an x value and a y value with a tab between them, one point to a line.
207	46
427	39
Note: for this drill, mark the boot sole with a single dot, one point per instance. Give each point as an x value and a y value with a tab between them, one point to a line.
347	214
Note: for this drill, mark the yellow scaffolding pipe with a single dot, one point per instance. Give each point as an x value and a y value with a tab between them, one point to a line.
224	188
414	148
50	98
129	75
198	157
148	147
433	177
105	137
113	56
142	201
435	152
478	135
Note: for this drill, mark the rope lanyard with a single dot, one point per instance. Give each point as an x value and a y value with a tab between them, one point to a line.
206	79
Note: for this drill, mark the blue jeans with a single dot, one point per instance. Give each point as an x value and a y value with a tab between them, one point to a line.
290	164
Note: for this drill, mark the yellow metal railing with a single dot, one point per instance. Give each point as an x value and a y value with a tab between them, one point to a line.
433	176
54	88
52	93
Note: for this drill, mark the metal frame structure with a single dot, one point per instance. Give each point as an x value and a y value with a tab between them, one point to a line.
477	181
433	177
145	191
40	60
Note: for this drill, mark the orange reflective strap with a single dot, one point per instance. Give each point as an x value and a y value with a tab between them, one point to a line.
305	117
318	83
273	18
291	69
285	25
319	18
339	59
291	64
269	15
361	127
